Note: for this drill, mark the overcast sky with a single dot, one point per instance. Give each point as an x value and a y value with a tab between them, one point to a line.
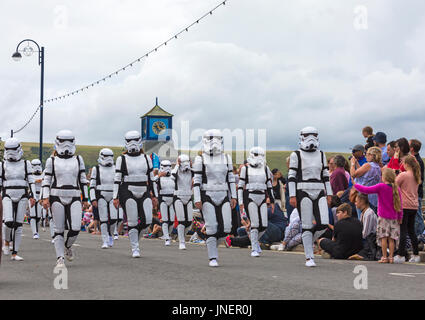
278	65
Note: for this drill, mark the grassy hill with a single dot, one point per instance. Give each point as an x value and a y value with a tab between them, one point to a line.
275	159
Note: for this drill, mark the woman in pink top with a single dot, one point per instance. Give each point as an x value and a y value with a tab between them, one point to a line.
408	181
390	214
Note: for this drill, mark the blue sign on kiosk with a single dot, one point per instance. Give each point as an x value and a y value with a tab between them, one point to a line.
155	160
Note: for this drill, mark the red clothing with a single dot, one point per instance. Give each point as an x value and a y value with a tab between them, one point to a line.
395	165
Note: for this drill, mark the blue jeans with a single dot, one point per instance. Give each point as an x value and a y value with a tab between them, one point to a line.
419	220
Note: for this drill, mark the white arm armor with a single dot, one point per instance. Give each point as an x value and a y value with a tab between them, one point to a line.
1	175
47	180
292	174
118	177
31	180
93	184
325	175
197	178
153	186
242	178
83	180
231	178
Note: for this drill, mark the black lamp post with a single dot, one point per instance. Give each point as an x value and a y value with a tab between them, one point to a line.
28	50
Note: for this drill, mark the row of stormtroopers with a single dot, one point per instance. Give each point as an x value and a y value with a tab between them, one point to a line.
17	188
135	189
64	192
175	197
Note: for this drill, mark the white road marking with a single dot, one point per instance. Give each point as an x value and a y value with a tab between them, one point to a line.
409	275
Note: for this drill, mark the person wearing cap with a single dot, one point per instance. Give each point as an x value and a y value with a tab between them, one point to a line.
359	153
380	139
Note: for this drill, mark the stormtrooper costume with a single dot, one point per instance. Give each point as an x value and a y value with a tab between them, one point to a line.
36	212
119	222
255	178
165	185
308	181
135	182
63	185
17	185
182	176
101	193
213	179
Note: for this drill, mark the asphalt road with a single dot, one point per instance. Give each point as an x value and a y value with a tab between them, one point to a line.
168	273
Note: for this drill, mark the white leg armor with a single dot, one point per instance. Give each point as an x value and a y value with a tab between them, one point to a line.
35	217
14	213
103	207
184	213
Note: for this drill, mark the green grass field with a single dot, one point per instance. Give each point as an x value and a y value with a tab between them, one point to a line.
275	159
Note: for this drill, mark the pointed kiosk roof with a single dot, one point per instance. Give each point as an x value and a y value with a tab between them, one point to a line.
157	111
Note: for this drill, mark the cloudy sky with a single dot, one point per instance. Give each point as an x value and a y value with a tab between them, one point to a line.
270	64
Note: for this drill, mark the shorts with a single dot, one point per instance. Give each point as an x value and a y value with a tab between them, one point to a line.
155	221
388	228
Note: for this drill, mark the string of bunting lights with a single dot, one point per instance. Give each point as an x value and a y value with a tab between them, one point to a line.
131	64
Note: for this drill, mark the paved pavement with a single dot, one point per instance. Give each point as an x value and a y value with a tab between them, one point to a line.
168	273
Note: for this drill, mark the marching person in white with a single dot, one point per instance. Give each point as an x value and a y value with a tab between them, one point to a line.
101	195
17	185
134	188
36	212
255	177
166	187
309	189
213	179
182	176
63	184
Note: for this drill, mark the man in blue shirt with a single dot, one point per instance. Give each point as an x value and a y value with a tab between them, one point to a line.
358	153
380	139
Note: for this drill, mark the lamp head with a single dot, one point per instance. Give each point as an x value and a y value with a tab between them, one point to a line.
17	56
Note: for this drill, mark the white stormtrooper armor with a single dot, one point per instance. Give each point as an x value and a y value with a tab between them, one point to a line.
101	190
182	176
165	185
308	181
134	181
213	179
63	184
17	185
255	179
36	212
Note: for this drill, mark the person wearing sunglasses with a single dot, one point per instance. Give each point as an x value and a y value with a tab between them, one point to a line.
65	192
18	187
135	189
101	193
213	183
309	189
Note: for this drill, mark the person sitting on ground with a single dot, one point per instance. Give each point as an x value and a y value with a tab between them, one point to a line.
368	134
155	228
347	236
293	233
390	213
368	218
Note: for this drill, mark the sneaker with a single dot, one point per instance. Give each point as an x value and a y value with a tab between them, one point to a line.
281	247
16	258
168	242
136	254
6	250
111	242
255	254
116	236
53	241
69	254
228	242
213	263
105	245
60	263
182	246
36	236
399	259
310	263
415	259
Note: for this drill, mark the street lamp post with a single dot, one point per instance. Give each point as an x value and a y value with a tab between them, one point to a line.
28	50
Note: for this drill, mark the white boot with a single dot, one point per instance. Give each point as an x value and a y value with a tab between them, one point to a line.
182	246
213	263
310	263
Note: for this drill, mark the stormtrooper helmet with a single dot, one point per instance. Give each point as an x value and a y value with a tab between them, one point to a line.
36	166
213	142
133	142
184	162
65	143
13	150
256	157
106	157
165	167
309	139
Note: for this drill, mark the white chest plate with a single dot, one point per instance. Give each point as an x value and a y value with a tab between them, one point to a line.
66	171
167	185
311	163
14	173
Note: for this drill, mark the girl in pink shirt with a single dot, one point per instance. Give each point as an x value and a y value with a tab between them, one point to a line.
390	214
